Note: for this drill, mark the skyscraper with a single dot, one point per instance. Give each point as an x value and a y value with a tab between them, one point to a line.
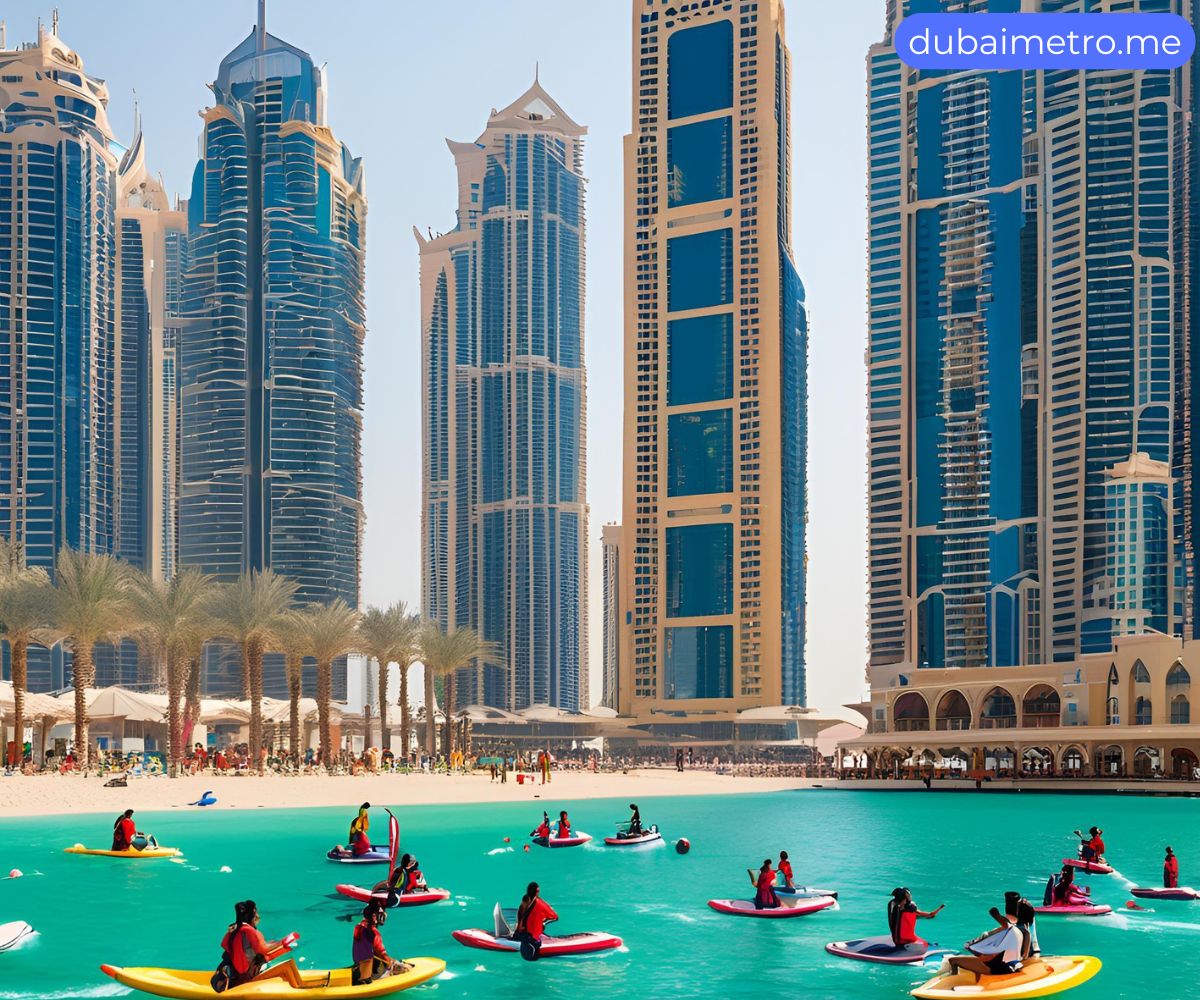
57	273
1030	388
715	367
611	632
271	351
504	516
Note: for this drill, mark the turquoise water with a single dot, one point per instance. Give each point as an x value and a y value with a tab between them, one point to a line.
963	850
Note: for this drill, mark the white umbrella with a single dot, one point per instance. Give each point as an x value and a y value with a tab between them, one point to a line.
118	703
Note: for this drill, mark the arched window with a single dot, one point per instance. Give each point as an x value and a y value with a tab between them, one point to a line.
910	713
1141	712
1041	707
1140	674
1181	710
1178	676
999	710
953	712
1112	707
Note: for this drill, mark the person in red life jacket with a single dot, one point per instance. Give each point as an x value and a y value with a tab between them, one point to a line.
785	869
532	916
124	831
764	884
1066	892
542	830
370	959
564	827
1091	848
246	953
1170	870
902	918
360	842
407	878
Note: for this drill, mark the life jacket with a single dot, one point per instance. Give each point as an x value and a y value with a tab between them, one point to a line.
365	937
1048	895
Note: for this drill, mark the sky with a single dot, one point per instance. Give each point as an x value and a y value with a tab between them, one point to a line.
403	76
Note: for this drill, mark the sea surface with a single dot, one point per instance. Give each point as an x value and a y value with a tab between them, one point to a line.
961	849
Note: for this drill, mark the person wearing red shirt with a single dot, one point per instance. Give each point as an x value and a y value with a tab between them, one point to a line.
532	916
785	869
564	827
1170	870
1091	849
764	884
124	830
902	918
246	952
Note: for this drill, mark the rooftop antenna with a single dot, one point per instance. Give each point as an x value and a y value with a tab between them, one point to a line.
3	35
137	115
54	21
260	43
535	71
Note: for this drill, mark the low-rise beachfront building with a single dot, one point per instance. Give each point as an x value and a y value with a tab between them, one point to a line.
1124	713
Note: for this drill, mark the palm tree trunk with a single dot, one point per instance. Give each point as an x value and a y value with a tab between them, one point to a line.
83	669
191	700
385	738
295	677
404	719
430	714
252	668
450	720
20	672
174	715
324	699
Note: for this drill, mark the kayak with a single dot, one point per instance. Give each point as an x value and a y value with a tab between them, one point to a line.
786	908
1077	910
1040	977
567	944
883	949
804	892
652	836
189	984
418	898
575	841
1181	893
12	934
375	856
1091	867
130	852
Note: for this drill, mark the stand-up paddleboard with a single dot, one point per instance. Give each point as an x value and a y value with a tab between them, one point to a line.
882	949
503	938
132	853
1181	894
1077	910
418	898
804	892
376	855
786	908
12	934
1040	977
1091	867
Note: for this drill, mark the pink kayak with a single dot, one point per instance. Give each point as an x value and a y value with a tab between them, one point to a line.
882	949
786	908
419	898
575	841
1091	867
567	944
1077	910
1180	894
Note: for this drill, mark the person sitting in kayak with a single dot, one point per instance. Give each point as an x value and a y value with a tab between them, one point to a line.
902	916
1170	870
542	830
369	957
785	869
1003	951
765	897
532	916
124	831
635	821
564	827
1091	848
360	842
1065	892
246	952
407	878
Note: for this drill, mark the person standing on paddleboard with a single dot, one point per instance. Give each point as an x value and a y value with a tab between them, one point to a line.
532	916
1170	870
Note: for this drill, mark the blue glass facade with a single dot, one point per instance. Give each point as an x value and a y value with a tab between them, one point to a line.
505	516
271	353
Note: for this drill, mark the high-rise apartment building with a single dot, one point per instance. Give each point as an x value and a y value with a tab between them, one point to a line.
712	559
504	514
270	357
611	632
58	195
1030	358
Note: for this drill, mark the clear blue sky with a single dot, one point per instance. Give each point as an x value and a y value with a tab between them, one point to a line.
406	74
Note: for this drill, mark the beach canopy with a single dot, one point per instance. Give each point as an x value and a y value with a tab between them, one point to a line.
214	710
119	703
37	706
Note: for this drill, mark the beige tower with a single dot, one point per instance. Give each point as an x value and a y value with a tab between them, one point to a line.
712	554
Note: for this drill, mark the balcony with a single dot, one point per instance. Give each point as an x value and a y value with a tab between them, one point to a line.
1042	720
912	725
998	722
956	723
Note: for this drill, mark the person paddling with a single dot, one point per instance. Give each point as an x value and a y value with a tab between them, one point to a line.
245	953
902	915
124	830
405	879
1170	870
1091	848
360	842
370	959
532	916
765	897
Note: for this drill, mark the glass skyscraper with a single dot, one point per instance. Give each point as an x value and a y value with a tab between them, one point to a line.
1030	392
270	355
504	517
716	338
58	167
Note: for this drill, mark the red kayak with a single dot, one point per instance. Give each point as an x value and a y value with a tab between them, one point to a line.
786	908
574	841
1180	894
1077	910
418	898
567	944
1091	867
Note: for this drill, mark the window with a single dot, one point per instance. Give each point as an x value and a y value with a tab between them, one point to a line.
700	270
699	570
699	162
699	359
698	662
699	453
1181	710
700	69
1141	712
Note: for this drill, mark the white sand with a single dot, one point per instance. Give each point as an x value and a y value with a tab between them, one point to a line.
47	795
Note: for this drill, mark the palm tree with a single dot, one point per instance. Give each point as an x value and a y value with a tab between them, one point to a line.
251	611
330	631
407	652
445	653
170	615
385	635
26	606
91	604
294	642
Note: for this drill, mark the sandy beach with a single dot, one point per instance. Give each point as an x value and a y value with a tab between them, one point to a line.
48	795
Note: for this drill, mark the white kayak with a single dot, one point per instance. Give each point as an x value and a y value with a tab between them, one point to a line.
12	934
651	836
885	951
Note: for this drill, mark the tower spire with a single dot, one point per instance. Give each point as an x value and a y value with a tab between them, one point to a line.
260	43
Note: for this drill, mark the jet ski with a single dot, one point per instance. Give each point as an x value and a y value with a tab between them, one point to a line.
1180	893
1100	867
788	907
1038	977
503	938
625	839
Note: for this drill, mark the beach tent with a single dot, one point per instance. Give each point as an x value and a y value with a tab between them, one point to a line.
119	703
41	713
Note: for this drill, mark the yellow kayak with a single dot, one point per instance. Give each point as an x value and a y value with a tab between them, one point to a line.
149	852
191	985
1039	977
